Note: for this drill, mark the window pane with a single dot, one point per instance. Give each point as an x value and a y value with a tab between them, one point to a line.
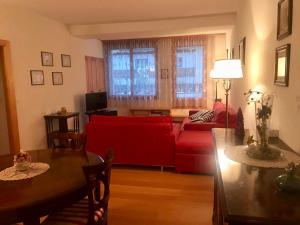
120	84
144	82
189	69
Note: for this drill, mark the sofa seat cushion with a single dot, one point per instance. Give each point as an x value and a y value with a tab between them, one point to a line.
195	142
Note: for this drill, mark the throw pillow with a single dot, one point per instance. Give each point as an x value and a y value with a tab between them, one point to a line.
203	116
198	114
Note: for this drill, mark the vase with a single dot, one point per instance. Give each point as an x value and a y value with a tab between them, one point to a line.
261	149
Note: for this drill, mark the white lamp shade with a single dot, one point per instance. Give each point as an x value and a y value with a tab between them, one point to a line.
227	69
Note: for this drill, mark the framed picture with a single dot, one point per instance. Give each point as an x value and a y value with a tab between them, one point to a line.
47	58
65	60
164	73
242	51
284	18
282	65
57	78
37	77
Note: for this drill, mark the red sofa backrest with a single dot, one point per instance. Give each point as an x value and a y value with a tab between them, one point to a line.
133	119
220	113
133	143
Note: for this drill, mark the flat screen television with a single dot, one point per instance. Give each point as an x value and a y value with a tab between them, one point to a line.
95	101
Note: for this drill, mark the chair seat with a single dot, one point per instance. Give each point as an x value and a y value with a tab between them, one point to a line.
77	214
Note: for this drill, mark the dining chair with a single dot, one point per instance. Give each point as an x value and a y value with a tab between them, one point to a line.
93	209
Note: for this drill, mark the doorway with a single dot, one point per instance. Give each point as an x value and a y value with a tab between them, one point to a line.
9	131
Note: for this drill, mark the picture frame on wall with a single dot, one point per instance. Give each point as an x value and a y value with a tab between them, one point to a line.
47	58
37	77
282	65
57	78
242	51
284	18
65	60
164	73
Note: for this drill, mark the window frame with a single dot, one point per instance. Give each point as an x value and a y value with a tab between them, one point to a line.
132	96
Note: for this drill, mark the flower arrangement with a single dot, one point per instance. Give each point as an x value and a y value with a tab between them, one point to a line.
22	161
260	149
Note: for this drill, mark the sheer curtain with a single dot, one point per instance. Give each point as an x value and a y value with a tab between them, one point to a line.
131	71
94	74
162	72
190	62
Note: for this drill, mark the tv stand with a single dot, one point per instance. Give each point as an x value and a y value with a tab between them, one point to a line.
102	112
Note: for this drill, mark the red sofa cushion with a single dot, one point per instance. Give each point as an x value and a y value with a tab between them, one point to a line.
220	113
195	142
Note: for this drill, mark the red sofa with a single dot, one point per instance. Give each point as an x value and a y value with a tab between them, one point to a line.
194	147
218	121
146	141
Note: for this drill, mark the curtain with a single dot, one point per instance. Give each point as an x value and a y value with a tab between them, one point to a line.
159	73
189	55
95	74
131	72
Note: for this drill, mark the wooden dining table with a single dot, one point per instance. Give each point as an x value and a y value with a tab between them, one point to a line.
28	200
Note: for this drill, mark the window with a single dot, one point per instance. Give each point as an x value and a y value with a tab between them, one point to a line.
132	72
189	71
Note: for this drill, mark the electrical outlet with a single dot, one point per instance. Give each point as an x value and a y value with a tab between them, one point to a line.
298	103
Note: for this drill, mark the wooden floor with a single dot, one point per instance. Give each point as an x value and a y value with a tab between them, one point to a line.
144	196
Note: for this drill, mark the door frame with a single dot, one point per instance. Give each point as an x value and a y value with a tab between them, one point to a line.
10	99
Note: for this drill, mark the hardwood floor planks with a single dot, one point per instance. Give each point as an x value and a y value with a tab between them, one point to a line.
148	196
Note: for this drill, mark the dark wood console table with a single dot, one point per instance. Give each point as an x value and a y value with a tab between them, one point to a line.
247	195
62	118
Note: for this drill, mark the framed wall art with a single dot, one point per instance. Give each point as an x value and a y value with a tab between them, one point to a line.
57	78
47	58
37	77
284	18
242	51
65	60
282	65
164	73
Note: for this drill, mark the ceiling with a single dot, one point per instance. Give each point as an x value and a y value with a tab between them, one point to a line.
76	12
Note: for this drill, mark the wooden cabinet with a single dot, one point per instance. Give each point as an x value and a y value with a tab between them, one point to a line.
247	195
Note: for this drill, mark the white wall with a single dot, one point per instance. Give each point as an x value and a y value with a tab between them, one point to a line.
4	141
29	34
257	21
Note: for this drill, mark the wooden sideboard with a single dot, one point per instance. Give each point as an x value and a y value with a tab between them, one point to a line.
247	195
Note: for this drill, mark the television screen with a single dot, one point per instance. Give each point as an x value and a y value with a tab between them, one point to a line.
95	101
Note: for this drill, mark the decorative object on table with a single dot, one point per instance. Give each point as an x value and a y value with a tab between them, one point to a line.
284	18
238	153
282	65
37	77
23	168
240	130
47	58
22	161
227	69
65	60
260	149
164	73
57	78
242	51
289	181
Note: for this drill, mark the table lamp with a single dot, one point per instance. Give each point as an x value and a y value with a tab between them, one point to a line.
227	69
